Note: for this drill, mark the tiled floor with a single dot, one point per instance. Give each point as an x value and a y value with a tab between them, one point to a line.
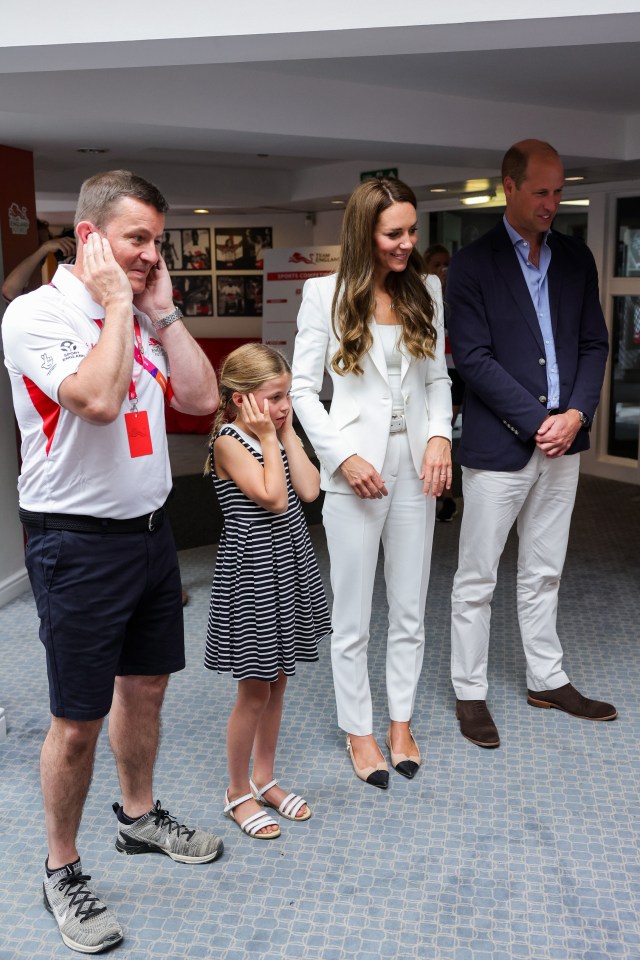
530	851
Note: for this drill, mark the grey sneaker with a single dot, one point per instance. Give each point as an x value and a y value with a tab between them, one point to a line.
159	832
85	923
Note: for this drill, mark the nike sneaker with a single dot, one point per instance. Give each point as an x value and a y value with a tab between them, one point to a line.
85	923
159	832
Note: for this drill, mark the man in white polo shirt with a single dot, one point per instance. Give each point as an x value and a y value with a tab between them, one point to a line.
92	358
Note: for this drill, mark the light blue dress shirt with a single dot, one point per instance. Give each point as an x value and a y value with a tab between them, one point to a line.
537	284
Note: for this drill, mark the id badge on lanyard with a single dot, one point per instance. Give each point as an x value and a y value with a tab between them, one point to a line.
138	433
137	421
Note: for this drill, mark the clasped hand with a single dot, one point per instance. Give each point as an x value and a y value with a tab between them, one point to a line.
556	434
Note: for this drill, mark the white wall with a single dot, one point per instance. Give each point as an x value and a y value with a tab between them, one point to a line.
327	227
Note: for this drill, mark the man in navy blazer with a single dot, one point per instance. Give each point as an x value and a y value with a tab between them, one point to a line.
529	339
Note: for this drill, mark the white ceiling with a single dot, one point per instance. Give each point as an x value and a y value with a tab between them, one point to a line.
591	77
441	103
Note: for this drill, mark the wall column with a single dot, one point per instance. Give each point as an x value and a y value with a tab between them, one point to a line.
18	238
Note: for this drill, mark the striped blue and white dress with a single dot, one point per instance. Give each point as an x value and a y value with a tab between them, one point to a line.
268	607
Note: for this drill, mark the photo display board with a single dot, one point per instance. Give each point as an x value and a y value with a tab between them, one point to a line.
285	272
222	280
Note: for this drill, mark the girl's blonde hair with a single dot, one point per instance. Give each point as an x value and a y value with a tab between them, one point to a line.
354	297
244	370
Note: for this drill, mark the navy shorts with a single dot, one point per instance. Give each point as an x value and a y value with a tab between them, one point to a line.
109	605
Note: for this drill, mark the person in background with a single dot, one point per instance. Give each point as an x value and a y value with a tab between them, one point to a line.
384	449
436	258
89	393
530	342
27	275
169	252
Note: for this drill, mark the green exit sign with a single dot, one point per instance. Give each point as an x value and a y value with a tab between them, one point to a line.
390	173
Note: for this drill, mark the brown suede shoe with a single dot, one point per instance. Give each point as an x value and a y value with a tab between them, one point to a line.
476	723
570	700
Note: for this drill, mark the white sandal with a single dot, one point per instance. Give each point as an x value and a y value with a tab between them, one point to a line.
254	823
289	806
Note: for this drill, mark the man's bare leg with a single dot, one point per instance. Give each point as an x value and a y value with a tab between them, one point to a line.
134	733
66	767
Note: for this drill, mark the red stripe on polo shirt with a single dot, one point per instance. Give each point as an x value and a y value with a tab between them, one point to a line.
48	409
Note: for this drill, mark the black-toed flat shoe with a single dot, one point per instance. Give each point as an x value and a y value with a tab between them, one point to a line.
407	766
377	776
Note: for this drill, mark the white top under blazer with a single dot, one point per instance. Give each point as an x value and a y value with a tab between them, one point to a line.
359	418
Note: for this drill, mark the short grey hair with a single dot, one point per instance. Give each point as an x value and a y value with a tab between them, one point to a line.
100	193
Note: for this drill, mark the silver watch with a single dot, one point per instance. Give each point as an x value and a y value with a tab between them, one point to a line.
584	420
170	318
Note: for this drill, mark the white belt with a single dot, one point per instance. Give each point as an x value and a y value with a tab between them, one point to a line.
398	423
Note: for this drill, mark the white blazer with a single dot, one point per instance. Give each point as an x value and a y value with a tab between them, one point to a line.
360	414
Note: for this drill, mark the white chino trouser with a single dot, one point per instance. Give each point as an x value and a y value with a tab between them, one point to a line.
404	521
541	496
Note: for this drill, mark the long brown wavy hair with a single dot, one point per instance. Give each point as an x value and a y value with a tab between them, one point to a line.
244	370
354	298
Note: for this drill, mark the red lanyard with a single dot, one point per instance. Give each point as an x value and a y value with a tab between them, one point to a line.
145	363
138	354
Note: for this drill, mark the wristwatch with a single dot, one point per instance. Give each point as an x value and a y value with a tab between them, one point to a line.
585	423
170	318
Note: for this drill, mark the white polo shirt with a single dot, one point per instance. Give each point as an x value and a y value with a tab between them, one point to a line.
69	465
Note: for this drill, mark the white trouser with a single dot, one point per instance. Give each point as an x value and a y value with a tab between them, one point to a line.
541	496
404	521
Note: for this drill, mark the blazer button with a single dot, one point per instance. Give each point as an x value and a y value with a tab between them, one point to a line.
542	399
542	361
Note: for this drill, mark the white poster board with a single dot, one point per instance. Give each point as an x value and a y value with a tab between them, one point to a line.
285	272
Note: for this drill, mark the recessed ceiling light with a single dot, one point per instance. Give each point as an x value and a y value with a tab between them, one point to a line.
92	150
201	210
337	201
472	201
567	179
438	189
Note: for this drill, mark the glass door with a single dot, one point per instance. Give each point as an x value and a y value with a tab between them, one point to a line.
624	385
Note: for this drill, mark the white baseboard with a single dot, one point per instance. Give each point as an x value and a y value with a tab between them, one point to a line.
13	586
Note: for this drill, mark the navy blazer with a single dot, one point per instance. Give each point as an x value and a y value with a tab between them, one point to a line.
498	349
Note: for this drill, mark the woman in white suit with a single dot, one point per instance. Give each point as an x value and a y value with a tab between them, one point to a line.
384	449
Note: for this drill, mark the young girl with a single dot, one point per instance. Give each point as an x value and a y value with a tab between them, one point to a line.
268	607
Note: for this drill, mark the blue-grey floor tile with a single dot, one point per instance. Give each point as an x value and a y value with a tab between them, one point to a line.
530	852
